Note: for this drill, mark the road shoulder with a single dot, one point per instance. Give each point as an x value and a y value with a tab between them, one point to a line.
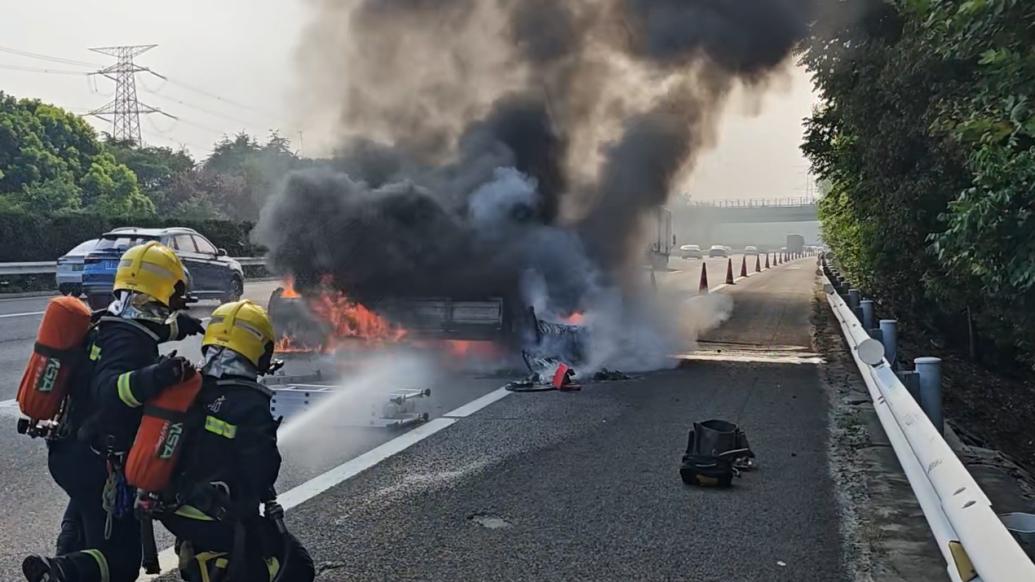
884	532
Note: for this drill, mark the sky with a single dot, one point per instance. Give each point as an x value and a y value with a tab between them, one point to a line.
230	68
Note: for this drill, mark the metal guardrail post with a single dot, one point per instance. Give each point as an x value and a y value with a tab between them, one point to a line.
889	331
929	371
854	295
867	310
911	380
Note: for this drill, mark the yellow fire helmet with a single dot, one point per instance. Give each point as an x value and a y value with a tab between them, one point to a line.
151	268
245	328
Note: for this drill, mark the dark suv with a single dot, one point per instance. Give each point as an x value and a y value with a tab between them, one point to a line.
211	274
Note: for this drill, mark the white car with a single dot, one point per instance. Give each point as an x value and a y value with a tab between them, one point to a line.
69	274
690	251
750	250
719	251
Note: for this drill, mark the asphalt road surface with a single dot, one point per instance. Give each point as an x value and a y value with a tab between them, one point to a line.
584	485
535	486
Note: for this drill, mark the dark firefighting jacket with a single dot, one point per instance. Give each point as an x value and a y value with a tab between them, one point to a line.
123	355
230	463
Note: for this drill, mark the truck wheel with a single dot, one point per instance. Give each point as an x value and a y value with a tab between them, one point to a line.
236	289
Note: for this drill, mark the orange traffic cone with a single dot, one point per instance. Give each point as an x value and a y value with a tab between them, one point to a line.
767	261
744	267
729	271
758	264
702	289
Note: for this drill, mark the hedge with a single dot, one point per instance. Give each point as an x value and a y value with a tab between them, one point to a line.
28	237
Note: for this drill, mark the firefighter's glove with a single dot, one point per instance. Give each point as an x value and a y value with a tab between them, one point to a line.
172	370
184	325
274	366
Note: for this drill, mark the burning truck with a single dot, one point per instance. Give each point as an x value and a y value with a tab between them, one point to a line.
321	334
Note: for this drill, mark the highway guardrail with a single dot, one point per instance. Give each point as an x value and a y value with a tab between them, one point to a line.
971	537
45	267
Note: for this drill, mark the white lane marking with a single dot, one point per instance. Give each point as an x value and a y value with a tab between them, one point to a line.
26	314
353	467
477	404
167	559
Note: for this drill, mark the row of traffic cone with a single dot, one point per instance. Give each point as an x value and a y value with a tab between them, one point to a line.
703	286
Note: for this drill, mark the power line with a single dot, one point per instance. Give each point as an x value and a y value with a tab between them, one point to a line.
41	70
214	96
125	108
201	109
179	144
42	57
202	126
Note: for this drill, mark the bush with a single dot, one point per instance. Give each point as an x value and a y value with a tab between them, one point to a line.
28	237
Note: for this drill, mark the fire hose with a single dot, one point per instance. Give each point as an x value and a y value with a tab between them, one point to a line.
275	513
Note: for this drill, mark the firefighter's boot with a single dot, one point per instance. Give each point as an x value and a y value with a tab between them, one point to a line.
40	569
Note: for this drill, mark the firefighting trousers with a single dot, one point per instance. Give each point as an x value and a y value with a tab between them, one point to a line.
70	539
205	548
112	558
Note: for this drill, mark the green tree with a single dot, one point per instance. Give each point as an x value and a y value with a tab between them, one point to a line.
51	161
156	168
926	136
111	188
43	197
252	170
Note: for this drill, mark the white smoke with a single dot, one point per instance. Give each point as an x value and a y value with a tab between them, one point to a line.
355	399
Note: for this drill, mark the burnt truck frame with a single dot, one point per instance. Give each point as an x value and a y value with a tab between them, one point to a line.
488	319
508	323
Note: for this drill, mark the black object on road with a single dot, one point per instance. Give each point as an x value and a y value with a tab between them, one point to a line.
716	451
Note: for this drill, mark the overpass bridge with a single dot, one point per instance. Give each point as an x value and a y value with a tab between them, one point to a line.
751	210
757	221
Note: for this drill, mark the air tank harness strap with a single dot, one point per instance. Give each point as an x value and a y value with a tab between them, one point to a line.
112	319
260	388
54	353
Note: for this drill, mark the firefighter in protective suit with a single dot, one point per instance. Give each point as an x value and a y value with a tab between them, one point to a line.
100	538
230	465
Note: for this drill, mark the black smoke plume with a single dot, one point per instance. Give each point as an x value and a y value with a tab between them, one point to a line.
483	144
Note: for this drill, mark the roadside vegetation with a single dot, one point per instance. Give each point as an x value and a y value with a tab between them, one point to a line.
62	183
926	142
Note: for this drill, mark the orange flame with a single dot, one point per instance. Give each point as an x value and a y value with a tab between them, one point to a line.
349	319
289	289
576	318
346	319
467	348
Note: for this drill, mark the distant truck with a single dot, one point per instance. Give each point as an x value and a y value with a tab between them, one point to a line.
795	244
662	241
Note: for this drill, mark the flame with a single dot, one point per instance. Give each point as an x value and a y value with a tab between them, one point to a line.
288	290
576	318
288	345
349	319
468	348
345	319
